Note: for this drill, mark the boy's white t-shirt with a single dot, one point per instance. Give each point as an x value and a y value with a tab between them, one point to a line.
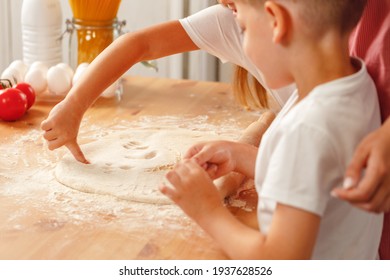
216	31
304	154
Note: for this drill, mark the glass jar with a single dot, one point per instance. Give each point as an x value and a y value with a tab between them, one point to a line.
87	39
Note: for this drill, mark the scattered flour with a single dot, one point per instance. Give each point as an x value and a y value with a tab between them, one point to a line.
28	185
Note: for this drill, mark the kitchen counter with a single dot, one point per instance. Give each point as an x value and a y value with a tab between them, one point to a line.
42	219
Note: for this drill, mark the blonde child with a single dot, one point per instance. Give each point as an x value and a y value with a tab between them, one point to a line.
305	152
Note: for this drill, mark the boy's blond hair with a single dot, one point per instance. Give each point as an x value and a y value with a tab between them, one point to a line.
319	16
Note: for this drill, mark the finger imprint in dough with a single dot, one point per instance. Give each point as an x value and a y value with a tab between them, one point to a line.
130	165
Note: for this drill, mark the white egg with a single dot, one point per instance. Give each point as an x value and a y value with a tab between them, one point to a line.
110	91
20	66
82	65
68	69
39	65
79	72
13	75
58	81
37	79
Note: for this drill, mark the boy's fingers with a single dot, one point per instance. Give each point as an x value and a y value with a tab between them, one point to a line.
202	157
74	148
173	178
212	170
194	150
168	190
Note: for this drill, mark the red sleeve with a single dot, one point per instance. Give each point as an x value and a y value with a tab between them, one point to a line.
371	42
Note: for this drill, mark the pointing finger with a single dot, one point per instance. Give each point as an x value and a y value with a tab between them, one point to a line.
74	148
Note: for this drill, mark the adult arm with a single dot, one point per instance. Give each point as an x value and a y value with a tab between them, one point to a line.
370	191
371	42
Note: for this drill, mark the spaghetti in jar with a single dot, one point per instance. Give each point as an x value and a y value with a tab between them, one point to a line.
96	26
88	38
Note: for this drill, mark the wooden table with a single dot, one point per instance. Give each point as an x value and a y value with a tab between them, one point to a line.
42	219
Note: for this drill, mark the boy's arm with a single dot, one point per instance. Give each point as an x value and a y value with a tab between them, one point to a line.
292	234
62	125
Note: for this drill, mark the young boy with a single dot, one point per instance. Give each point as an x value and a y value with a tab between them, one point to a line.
304	153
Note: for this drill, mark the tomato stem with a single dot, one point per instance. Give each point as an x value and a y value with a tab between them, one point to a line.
3	85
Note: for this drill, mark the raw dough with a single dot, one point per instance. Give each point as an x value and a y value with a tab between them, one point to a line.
129	165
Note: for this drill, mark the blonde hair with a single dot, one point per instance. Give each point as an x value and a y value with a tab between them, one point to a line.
248	91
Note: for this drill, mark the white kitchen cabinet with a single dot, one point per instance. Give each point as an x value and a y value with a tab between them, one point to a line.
6	34
4	48
138	14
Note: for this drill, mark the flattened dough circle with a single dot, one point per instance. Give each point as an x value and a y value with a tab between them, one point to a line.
129	165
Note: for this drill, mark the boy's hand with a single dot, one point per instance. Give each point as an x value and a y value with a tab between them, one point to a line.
192	190
61	128
215	157
371	192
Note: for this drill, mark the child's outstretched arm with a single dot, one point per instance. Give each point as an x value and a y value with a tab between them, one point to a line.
292	233
62	125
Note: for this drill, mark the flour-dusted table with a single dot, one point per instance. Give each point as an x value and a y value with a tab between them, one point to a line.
42	219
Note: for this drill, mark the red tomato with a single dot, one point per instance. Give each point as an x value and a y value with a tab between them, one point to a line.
28	91
13	104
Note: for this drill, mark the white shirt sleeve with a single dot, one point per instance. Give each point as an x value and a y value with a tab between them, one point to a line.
215	31
306	157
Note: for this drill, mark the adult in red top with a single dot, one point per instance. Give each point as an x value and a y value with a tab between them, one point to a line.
371	42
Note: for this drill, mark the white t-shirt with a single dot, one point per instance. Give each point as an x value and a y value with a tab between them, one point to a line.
331	125
304	155
216	31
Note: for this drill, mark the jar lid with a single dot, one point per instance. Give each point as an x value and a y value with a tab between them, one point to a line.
91	24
